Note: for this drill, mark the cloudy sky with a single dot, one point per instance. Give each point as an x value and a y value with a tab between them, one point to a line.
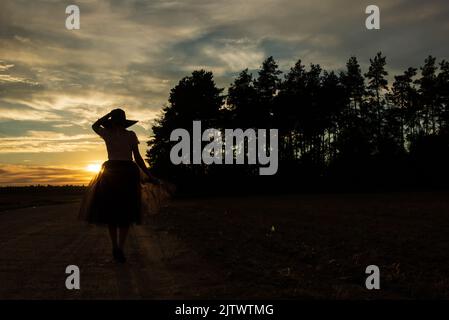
55	82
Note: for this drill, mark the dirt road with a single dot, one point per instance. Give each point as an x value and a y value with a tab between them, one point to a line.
37	244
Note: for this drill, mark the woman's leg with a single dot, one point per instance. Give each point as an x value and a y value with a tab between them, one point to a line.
123	233
113	235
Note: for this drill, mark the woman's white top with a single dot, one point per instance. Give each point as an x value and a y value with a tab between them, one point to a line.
119	143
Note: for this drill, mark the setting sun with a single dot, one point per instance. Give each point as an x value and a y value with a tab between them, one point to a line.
93	167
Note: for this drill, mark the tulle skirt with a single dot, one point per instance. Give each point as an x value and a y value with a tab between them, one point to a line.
120	195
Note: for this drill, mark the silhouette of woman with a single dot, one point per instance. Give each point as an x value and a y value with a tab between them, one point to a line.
114	197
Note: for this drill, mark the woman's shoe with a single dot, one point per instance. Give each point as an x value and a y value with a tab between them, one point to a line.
118	255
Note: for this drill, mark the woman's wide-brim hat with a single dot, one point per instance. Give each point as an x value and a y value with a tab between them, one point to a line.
118	116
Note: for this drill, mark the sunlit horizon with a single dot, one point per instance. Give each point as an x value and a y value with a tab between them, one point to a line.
30	175
93	167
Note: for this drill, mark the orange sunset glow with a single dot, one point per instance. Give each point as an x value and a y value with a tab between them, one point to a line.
93	167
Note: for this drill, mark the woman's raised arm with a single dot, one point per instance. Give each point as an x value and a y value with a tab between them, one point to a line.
97	124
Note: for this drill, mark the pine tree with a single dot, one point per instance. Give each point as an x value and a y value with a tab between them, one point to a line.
376	84
242	101
443	95
289	113
195	97
403	97
267	85
354	84
428	90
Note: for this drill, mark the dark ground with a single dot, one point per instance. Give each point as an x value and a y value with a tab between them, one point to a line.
34	196
318	246
292	246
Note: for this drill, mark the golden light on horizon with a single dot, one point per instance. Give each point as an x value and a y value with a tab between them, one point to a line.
93	167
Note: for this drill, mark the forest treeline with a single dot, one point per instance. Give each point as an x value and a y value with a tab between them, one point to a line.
346	129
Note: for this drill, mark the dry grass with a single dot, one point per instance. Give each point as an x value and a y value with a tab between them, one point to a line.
316	246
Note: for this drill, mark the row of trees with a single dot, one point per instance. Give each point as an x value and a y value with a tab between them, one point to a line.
334	128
